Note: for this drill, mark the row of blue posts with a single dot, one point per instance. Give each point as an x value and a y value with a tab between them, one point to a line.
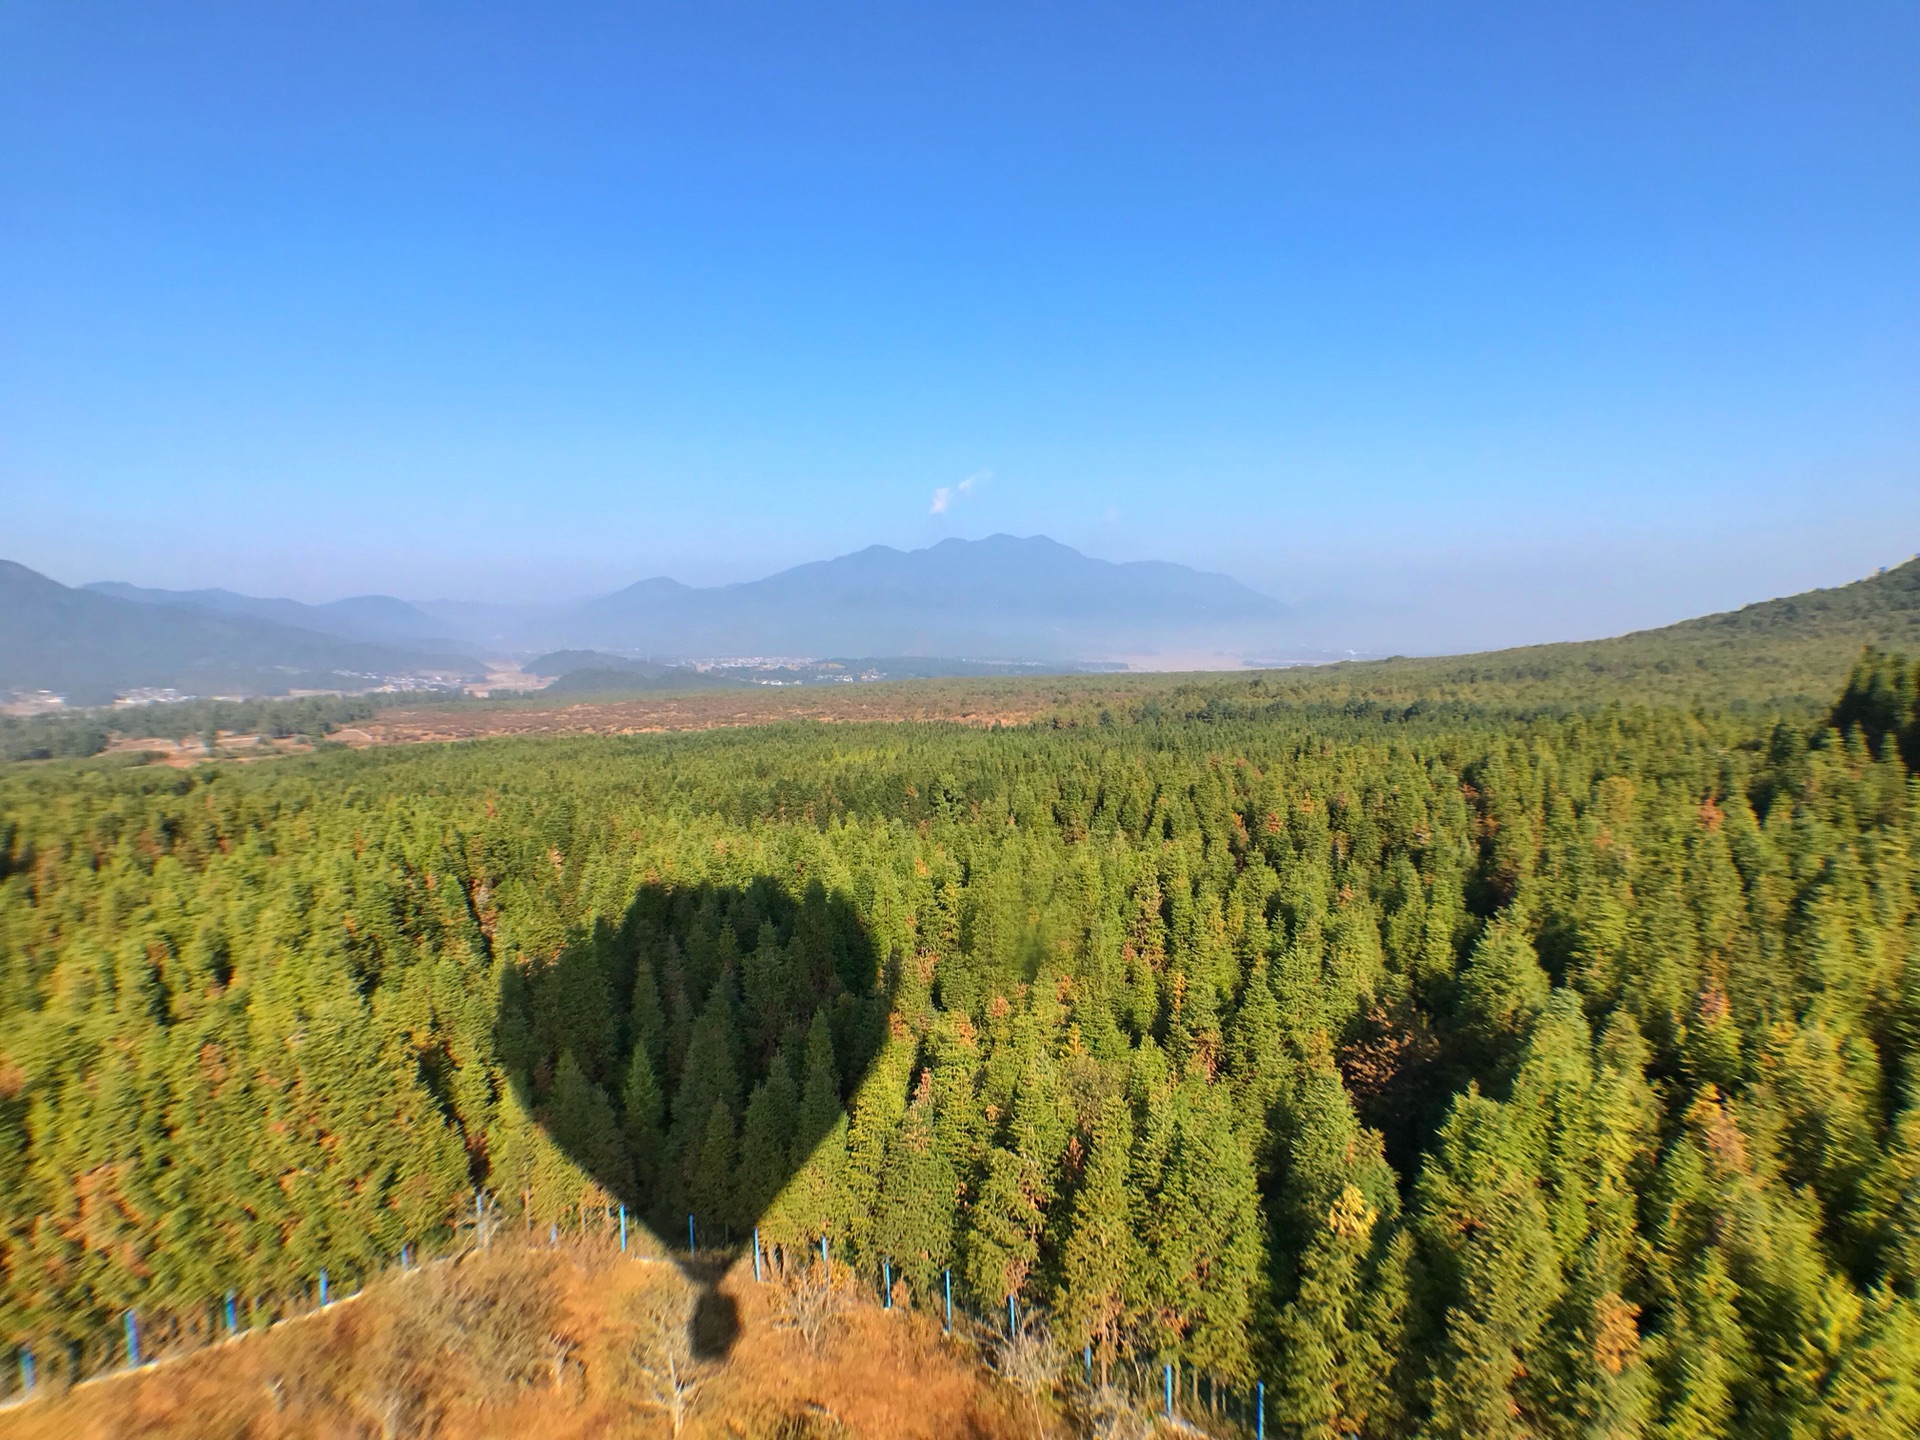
230	1312
886	1272
28	1371
1259	1397
29	1368
886	1266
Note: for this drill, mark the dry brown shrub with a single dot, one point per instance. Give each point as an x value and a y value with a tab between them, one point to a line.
1110	1413
493	1316
1030	1360
653	1364
809	1302
473	1332
807	1423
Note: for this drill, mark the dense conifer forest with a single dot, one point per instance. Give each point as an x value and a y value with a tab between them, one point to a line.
1456	1072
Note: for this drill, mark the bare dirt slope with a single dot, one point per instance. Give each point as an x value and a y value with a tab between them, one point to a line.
547	1346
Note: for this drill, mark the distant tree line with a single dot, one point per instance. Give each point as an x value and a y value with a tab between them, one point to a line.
1477	1076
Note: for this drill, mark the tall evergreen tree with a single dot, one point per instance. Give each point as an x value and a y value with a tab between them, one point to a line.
1490	1267
642	1122
1101	1255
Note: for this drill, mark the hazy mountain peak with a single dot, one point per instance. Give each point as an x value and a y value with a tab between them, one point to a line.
1002	597
655	586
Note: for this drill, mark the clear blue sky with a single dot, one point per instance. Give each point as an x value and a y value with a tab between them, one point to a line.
1454	324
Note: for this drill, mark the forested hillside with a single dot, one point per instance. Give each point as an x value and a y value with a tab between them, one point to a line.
1455	1074
91	646
1789	651
1785	656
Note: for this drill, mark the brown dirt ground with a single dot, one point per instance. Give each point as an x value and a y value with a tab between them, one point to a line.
890	1375
706	711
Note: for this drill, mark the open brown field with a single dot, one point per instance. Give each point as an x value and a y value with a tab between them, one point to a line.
966	702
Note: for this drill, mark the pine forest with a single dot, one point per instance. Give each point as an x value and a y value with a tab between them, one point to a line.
1453	1073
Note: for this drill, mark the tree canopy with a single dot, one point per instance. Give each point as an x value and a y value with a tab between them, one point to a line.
1485	1075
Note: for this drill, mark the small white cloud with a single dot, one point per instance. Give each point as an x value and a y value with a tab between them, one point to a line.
945	497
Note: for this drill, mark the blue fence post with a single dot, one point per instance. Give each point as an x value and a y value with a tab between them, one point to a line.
825	1259
133	1339
1168	1372
1013	1318
690	1241
949	1275
756	1254
1260	1410
886	1283
323	1289
1087	1354
623	1227
26	1370
233	1317
553	1235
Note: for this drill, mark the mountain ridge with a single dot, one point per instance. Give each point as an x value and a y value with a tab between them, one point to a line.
91	647
1001	599
376	619
1005	597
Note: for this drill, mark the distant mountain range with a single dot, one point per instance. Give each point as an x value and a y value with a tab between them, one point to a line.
378	619
90	646
1001	599
972	606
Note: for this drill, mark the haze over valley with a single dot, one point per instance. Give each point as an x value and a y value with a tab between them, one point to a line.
1002	600
1001	605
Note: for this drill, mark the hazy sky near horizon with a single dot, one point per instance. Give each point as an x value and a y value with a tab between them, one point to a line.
1453	325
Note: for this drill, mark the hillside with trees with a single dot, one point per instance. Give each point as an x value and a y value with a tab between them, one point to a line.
1456	1076
90	646
1792	651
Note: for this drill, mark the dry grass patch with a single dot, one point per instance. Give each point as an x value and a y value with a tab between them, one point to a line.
530	1344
